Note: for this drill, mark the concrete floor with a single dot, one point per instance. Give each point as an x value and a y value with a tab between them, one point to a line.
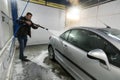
39	67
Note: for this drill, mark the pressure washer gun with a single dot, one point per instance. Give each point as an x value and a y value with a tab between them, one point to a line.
37	25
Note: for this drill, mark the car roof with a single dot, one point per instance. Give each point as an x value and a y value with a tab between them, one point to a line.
91	28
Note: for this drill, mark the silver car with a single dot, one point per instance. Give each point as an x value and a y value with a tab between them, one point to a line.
88	53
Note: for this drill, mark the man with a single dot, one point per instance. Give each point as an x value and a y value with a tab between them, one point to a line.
25	25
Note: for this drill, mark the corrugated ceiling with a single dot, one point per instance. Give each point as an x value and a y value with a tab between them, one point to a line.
63	3
82	2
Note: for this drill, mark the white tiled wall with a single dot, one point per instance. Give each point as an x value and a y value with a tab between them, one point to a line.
6	28
6	32
108	13
4	6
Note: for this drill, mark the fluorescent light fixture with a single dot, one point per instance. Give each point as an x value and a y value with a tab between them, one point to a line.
73	13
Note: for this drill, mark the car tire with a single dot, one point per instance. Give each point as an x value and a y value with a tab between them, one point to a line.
51	53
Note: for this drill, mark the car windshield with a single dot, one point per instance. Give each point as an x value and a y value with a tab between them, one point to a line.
114	33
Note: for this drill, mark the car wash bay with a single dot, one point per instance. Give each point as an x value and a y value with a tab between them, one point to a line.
57	16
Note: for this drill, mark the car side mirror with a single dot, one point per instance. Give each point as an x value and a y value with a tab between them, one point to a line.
100	55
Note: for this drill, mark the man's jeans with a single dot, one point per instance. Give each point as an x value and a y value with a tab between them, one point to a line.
22	44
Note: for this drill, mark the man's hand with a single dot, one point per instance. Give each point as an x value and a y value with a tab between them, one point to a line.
28	22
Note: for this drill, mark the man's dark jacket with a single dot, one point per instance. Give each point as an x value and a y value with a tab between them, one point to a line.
24	28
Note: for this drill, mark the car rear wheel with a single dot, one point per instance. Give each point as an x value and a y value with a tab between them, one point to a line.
51	53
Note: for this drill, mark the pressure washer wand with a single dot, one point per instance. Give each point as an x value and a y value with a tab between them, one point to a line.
37	25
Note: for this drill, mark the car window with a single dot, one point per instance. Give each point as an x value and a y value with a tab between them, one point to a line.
73	37
79	39
86	40
95	41
113	54
64	36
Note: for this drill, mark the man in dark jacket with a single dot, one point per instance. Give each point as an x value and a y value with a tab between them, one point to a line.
25	25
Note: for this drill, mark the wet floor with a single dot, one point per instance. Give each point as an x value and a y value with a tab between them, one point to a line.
40	67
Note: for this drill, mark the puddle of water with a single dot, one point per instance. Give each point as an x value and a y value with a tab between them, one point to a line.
39	59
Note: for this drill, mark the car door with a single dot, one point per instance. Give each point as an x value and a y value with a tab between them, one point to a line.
75	55
98	69
59	47
92	66
70	49
62	38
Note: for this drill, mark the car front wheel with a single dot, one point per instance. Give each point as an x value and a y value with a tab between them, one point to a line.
51	52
